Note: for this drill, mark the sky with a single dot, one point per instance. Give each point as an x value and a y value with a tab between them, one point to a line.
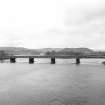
52	23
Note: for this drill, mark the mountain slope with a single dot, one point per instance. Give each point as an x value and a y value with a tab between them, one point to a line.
26	51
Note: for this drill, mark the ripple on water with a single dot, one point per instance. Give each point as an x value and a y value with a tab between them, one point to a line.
69	101
4	87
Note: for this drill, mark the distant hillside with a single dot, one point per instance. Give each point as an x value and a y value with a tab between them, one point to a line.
82	50
43	50
19	51
74	51
26	51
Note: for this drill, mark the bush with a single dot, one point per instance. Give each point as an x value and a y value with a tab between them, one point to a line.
3	55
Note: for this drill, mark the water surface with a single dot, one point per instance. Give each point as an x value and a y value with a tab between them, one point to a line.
44	84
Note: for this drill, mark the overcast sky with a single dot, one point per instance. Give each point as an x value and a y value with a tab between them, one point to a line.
52	23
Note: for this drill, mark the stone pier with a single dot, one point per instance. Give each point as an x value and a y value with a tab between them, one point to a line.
52	60
12	59
77	60
31	60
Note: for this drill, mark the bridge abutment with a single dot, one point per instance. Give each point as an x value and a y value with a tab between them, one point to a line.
31	60
77	60
12	59
52	60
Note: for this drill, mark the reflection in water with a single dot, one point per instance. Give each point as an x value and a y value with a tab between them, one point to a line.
46	84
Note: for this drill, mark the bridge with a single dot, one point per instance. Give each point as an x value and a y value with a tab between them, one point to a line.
54	57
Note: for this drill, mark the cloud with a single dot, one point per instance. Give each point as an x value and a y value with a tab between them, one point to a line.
84	11
57	23
85	23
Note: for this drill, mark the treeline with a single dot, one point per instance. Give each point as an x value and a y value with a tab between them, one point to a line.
75	53
4	55
64	53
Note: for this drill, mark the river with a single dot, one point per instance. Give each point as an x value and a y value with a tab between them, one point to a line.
42	83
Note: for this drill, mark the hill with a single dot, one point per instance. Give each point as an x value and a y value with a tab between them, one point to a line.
19	51
80	50
26	51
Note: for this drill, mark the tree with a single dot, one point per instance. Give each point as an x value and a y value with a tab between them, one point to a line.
48	53
3	54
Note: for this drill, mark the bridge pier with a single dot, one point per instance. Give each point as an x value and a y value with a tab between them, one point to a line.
31	60
52	60
12	59
77	60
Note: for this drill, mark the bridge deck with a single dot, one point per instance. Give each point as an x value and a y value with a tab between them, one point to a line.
60	57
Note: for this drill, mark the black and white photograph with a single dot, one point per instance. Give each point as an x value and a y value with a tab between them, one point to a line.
52	52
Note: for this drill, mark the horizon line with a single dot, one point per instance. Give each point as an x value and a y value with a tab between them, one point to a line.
54	48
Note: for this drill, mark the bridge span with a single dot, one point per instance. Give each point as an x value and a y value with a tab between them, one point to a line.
53	57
